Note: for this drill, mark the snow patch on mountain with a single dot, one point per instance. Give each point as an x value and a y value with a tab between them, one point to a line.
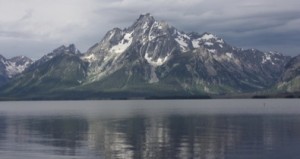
145	26
112	33
16	65
183	45
220	41
208	44
155	63
266	58
150	36
207	37
229	55
123	44
11	69
183	35
89	58
212	50
182	39
209	41
158	25
195	43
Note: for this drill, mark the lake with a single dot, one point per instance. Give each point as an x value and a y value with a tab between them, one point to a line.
159	129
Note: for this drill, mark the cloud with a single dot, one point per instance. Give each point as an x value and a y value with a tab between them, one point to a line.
267	25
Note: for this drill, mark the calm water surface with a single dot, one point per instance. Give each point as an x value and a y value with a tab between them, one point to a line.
206	129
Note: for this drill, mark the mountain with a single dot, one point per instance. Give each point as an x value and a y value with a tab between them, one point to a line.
290	79
9	68
154	54
149	58
58	70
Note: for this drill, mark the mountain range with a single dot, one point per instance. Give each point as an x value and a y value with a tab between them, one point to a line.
149	59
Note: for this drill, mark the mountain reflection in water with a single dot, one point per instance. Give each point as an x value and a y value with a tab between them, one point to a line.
92	130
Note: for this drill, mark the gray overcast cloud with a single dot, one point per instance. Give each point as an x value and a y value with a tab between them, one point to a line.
34	27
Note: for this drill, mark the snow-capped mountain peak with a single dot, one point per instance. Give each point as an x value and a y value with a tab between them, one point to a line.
155	42
152	44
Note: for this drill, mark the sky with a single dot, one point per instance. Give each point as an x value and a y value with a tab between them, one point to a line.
35	27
